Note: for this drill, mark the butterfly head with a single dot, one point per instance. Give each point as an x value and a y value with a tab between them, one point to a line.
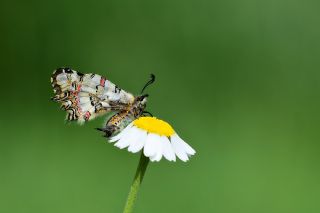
140	103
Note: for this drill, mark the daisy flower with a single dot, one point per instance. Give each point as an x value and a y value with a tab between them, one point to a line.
156	137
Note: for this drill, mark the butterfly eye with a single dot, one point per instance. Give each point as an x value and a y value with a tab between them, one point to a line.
144	101
142	97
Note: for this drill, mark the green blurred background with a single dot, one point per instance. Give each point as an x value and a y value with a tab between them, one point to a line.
238	80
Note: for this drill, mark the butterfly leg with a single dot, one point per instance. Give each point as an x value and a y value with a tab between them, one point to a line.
108	130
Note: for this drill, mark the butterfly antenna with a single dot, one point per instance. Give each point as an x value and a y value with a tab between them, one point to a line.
152	79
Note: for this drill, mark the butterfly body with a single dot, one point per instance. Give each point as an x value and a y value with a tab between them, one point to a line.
86	96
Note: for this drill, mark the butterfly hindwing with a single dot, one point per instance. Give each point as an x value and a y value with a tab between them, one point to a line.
85	96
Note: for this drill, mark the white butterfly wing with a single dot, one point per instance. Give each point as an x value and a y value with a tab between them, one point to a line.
86	96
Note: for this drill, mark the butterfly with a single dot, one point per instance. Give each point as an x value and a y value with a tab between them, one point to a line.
86	96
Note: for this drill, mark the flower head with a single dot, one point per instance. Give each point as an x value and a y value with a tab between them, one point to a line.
156	137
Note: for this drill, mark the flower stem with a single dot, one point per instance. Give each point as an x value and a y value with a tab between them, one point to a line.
143	163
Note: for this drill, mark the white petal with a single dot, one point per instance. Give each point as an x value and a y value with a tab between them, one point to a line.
188	149
138	142
158	144
168	152
153	158
149	148
126	139
179	149
119	135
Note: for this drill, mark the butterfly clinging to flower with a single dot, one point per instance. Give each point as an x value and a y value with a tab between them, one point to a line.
86	96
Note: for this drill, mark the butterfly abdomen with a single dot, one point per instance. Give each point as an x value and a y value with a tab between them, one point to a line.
118	117
117	123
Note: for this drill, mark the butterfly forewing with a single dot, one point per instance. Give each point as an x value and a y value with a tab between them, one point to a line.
85	96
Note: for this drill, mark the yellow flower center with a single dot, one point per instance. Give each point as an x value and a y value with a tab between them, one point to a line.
154	125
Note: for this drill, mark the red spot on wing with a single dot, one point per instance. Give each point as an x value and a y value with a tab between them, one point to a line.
77	99
78	105
102	81
87	115
77	90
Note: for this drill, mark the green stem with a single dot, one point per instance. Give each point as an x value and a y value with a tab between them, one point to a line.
143	163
